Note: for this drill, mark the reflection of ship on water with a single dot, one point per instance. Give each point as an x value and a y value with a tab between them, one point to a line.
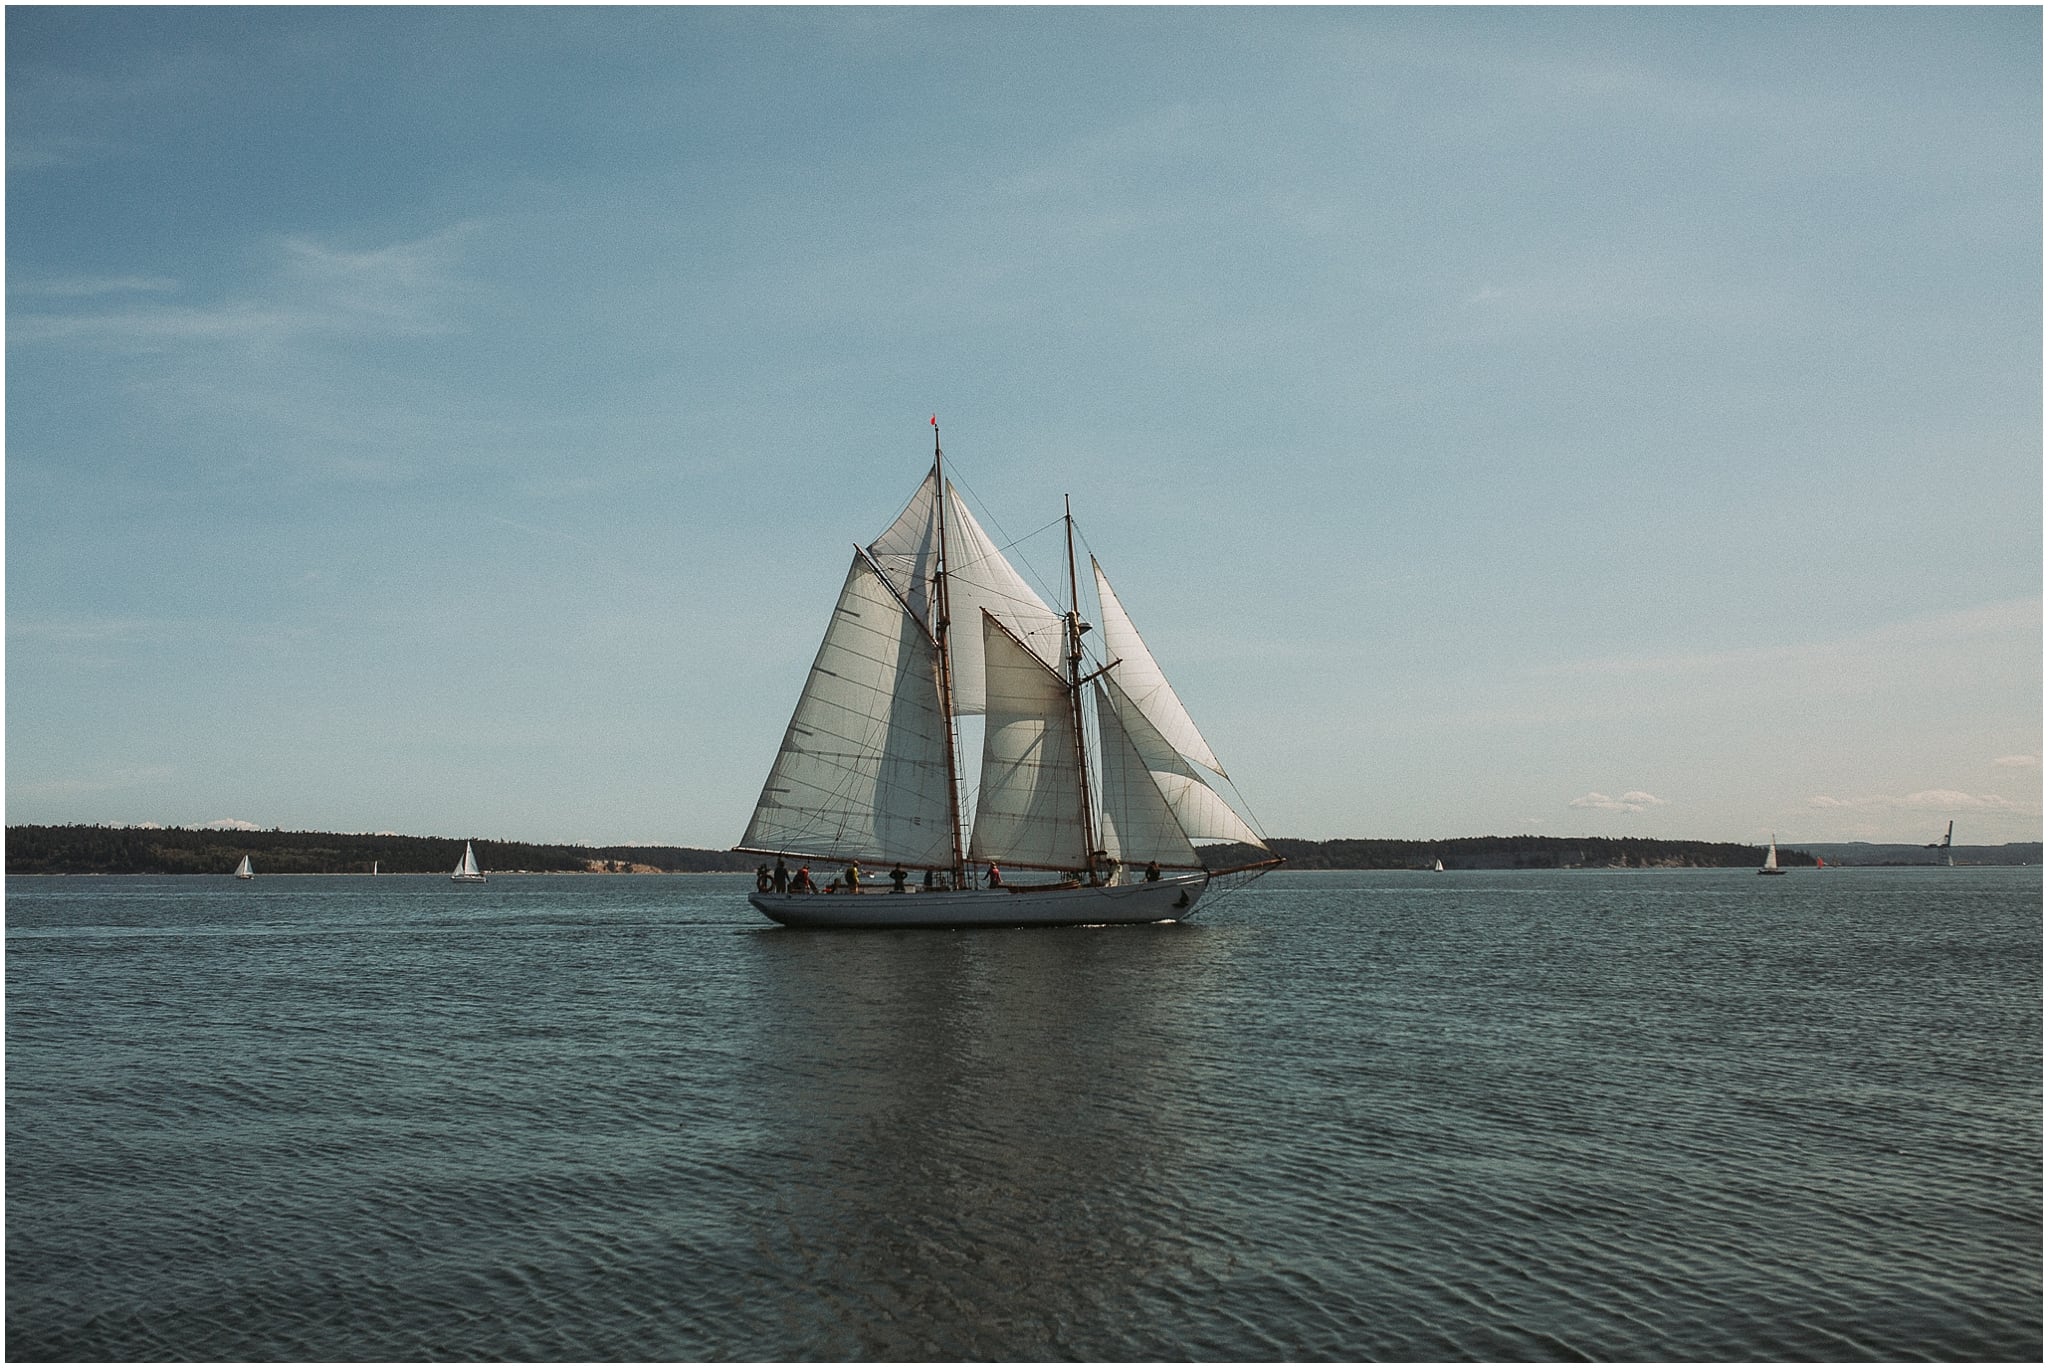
979	1151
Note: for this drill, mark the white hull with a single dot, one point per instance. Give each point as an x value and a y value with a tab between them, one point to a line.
465	878
1170	899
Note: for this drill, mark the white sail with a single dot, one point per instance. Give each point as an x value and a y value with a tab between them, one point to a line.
862	772
1199	809
244	870
869	767
1137	825
1029	811
978	579
1143	682
467	869
1771	855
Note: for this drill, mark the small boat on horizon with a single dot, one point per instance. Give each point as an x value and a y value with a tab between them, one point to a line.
1770	865
466	870
243	870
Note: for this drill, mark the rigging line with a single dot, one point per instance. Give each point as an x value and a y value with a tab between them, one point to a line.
1004	541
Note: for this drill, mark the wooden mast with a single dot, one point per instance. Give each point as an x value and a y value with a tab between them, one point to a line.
1074	699
945	615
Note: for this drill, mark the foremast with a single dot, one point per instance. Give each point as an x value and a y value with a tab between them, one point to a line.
1074	656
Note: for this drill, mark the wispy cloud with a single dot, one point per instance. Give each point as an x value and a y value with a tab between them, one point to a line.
1613	293
300	362
1635	800
1927	800
2008	618
62	117
229	824
86	287
304	290
2018	762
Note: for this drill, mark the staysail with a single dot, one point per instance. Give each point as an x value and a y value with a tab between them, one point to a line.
862	773
1143	682
1137	824
1030	809
978	579
1198	808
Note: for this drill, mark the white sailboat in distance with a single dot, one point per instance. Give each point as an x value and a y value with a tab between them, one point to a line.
243	870
1094	783
466	870
1770	865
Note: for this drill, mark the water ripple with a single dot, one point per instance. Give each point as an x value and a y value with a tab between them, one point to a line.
1519	1117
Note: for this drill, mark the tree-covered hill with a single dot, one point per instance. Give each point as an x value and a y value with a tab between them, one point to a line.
179	850
1513	852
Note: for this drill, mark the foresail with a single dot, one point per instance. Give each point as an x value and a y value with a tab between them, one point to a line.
1143	682
1137	824
978	578
1029	811
862	772
1199	809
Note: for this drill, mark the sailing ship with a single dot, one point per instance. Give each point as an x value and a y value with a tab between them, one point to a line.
1770	865
466	870
1946	846
1091	772
243	870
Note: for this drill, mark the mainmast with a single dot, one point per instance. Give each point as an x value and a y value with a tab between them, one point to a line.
945	616
1074	629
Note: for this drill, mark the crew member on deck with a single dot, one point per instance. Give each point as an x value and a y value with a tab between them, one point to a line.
781	875
1152	871
897	876
995	877
853	877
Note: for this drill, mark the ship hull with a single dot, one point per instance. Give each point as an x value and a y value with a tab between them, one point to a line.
1052	905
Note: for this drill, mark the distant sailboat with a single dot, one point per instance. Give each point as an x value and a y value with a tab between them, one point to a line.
467	871
1944	844
243	871
1439	867
1771	858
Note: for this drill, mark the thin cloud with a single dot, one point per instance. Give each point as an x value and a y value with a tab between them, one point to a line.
87	287
309	290
1635	800
1927	800
2009	618
229	824
2018	762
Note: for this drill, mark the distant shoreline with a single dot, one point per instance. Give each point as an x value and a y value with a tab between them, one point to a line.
100	850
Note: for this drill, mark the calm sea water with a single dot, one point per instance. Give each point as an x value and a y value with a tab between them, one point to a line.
1640	1115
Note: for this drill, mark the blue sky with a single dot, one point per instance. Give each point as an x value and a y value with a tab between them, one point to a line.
1583	422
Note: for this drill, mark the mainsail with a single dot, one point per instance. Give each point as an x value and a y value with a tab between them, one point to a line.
862	773
1030	810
